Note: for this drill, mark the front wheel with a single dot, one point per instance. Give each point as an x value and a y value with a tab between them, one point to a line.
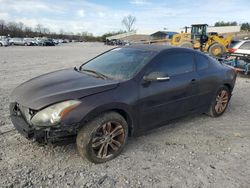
103	138
216	50
220	102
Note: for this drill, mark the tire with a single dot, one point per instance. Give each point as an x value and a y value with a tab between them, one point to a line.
103	138
1	44
216	50
216	109
187	45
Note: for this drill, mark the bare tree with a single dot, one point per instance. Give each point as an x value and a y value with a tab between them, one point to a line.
45	30
128	22
28	31
39	29
20	25
14	29
2	25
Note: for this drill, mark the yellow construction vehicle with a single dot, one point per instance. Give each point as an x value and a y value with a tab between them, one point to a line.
213	43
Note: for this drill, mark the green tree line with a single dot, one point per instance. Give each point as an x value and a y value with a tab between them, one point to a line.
244	26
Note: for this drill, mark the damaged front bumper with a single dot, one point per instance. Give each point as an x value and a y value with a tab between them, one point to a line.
55	134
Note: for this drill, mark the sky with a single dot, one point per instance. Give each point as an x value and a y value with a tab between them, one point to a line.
99	17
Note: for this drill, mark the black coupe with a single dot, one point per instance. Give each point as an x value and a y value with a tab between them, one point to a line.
122	92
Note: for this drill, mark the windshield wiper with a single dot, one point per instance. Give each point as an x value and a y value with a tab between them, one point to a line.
96	73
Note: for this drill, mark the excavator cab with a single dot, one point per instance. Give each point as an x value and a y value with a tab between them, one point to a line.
199	35
198	30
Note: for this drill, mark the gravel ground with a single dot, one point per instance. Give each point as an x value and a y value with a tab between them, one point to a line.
195	151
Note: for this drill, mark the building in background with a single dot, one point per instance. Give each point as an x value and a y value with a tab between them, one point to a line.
163	35
140	36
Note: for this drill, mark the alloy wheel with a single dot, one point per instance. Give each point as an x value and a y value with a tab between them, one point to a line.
108	139
221	101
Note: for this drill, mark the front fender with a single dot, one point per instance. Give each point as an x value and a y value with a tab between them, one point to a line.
94	105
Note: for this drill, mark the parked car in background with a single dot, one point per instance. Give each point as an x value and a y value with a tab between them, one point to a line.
116	42
60	40
30	41
241	47
55	41
4	41
18	41
122	92
48	42
65	41
39	41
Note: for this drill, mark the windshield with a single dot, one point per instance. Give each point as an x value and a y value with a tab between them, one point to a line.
119	63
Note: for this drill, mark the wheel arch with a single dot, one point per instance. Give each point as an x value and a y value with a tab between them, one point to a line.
209	45
127	117
120	109
229	86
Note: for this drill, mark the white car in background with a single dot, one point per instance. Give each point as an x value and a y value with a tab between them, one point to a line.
4	41
241	47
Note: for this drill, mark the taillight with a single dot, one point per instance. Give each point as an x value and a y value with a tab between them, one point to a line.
232	50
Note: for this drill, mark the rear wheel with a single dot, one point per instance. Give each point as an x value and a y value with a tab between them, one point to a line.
216	49
220	102
103	138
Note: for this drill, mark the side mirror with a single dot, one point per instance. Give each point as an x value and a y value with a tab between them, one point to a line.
156	76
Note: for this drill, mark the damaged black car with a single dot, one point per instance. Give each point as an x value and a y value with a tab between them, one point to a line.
122	92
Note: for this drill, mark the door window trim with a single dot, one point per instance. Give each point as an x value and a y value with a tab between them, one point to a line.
196	62
147	71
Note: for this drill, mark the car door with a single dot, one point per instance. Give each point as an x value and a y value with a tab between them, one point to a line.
19	41
208	80
161	101
207	83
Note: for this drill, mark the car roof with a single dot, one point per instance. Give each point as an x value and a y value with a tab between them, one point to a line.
151	47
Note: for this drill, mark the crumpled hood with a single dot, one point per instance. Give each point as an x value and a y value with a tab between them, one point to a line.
59	86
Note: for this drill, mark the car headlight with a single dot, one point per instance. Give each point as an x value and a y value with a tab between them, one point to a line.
53	114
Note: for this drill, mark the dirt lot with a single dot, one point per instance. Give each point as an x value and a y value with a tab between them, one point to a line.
195	151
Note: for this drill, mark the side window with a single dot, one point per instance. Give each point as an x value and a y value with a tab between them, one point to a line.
202	62
174	64
245	46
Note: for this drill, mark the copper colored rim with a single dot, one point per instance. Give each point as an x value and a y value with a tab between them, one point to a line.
108	139
221	101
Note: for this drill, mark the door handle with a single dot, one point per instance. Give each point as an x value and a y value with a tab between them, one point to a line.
193	81
163	78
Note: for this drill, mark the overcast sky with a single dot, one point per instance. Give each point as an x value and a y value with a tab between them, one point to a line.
98	16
